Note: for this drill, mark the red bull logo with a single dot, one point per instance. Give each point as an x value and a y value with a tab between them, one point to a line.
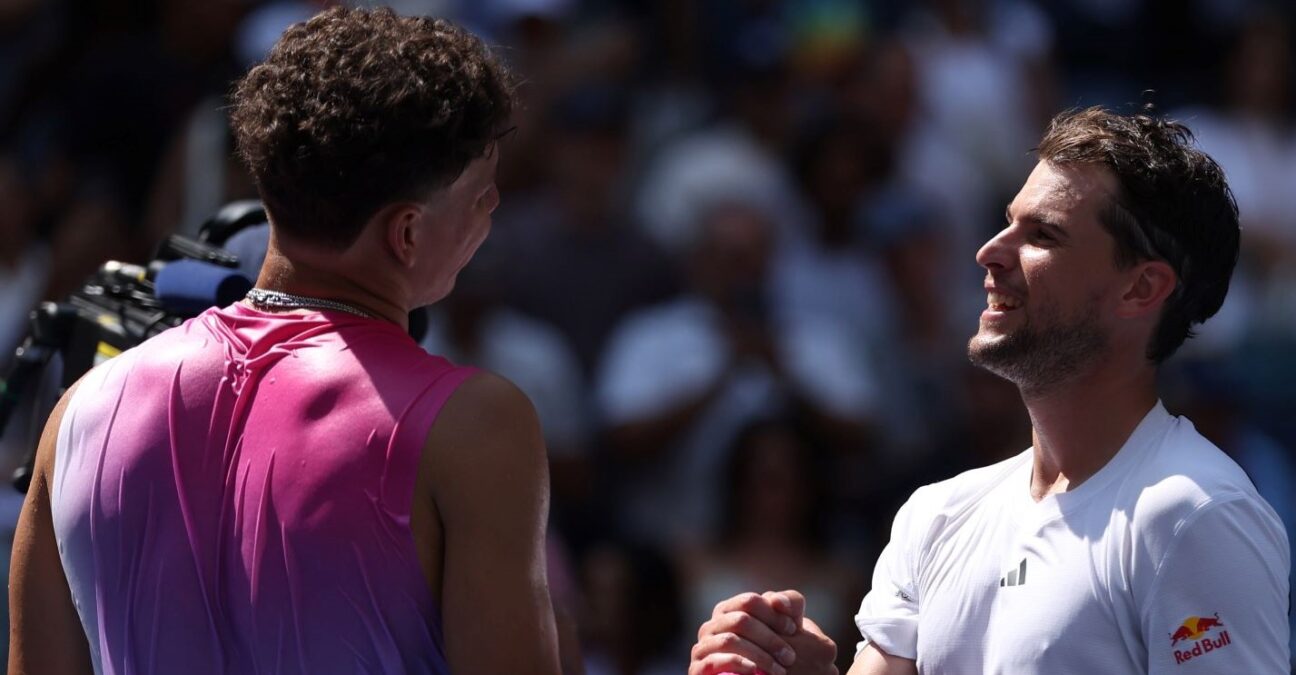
1196	629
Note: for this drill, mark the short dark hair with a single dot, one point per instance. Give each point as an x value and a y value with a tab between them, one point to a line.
355	109
1173	204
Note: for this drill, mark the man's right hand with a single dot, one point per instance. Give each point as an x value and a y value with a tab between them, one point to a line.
768	633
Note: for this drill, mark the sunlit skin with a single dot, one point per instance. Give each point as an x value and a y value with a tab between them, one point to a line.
1053	268
407	256
456	222
479	531
1063	322
1049	281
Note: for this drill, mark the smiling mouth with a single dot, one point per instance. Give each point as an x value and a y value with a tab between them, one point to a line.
1000	302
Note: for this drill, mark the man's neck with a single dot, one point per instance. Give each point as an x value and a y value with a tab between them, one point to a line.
1078	426
299	274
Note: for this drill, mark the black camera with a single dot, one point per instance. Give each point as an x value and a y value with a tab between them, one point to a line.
122	305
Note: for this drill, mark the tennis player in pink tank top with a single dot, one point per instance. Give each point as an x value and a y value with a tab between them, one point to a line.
290	484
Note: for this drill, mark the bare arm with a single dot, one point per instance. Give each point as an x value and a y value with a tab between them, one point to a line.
490	484
45	633
874	661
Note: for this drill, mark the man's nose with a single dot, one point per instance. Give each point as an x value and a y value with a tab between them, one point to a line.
998	252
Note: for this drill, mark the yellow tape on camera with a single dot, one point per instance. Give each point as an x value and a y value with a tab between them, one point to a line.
104	352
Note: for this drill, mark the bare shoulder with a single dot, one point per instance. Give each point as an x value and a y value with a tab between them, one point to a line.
487	433
45	633
485	407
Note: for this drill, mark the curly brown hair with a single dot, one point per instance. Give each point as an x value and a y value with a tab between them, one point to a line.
1173	204
355	109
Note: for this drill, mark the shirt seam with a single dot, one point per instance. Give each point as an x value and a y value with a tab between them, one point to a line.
1116	484
1207	505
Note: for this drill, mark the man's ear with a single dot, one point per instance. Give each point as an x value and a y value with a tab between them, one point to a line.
1150	283
401	232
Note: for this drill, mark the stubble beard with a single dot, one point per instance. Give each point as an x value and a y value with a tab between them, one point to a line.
1044	353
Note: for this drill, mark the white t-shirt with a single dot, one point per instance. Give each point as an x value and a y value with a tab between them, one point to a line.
1165	561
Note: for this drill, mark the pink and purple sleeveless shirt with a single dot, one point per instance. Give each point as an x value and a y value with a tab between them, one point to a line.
234	495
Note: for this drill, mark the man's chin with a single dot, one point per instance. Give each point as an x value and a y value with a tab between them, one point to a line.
994	352
986	342
1035	361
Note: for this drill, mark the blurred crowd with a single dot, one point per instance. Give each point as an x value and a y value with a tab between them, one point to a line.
733	266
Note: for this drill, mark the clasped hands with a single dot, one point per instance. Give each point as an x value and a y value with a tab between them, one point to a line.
767	633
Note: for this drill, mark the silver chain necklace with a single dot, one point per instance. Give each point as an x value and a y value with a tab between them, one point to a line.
262	297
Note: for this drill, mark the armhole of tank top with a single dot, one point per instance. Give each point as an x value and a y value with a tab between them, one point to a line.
441	389
434	399
416	424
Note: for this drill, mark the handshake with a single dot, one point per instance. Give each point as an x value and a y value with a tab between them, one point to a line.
762	633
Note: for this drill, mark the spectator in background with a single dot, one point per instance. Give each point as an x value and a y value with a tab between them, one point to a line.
574	260
738	157
774	530
905	233
828	278
679	380
1252	134
113	115
975	119
1253	137
971	91
876	103
102	87
199	173
633	623
1099	44
133	75
472	326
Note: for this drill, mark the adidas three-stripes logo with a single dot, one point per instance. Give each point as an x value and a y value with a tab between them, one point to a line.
1015	577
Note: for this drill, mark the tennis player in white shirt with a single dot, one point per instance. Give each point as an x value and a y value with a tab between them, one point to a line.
1122	542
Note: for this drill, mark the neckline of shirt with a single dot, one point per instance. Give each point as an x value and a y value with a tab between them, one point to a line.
1146	434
